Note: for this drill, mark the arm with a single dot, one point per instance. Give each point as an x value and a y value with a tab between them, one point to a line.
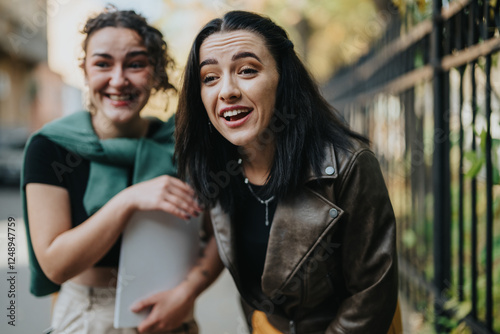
79	248
369	261
171	307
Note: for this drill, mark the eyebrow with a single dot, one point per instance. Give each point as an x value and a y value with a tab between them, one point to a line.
245	55
209	61
237	56
129	55
137	53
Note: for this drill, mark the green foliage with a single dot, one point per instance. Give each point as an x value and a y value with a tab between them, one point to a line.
409	238
328	34
459	309
414	11
477	162
496	252
461	329
477	159
419	58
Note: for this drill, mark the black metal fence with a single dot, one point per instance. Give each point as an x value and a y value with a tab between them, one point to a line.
429	100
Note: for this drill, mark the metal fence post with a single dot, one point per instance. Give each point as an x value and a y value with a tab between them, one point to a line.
440	170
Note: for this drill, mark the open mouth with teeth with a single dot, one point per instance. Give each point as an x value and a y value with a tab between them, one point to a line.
123	97
235	115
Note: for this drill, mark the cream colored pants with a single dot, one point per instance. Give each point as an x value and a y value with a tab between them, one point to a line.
90	310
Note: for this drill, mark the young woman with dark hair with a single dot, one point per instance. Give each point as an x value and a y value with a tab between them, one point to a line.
87	173
299	206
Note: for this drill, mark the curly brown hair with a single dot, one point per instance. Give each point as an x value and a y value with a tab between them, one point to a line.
152	38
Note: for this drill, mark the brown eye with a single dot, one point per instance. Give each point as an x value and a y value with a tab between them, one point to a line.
137	64
102	64
208	79
249	71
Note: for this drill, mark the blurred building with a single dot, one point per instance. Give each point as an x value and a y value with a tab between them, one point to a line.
30	93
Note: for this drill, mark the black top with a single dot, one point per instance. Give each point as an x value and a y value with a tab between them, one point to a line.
252	236
49	163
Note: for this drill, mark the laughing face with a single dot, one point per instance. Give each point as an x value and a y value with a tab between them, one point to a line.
239	79
118	74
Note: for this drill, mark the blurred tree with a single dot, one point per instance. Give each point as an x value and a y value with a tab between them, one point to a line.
327	34
414	11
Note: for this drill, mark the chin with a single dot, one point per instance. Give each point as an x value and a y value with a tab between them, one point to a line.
242	141
121	116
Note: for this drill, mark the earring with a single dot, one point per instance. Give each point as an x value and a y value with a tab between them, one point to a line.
210	126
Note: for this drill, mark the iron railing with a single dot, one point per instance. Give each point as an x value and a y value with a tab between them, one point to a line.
430	102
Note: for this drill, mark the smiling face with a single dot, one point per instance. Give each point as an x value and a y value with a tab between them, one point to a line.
239	79
118	74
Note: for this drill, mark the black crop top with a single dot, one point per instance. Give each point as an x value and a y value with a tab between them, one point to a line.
252	237
50	163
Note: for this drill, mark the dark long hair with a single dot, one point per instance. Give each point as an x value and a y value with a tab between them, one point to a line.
303	122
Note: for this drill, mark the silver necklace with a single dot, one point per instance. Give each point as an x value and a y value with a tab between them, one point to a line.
260	200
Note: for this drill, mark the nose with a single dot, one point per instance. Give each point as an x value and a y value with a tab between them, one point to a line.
118	78
229	90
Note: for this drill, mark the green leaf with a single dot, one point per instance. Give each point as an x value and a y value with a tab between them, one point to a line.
447	322
483	140
475	168
496	175
471	156
496	251
463	309
418	60
409	238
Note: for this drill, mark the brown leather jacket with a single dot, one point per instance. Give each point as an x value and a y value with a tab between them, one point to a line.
331	264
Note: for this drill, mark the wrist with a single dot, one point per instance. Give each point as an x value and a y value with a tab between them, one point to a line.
190	289
124	206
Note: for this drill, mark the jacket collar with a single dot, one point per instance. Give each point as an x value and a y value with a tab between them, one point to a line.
298	227
329	168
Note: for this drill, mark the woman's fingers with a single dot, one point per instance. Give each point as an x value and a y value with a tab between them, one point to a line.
165	193
178	184
186	203
151	322
142	305
175	210
168	310
181	195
